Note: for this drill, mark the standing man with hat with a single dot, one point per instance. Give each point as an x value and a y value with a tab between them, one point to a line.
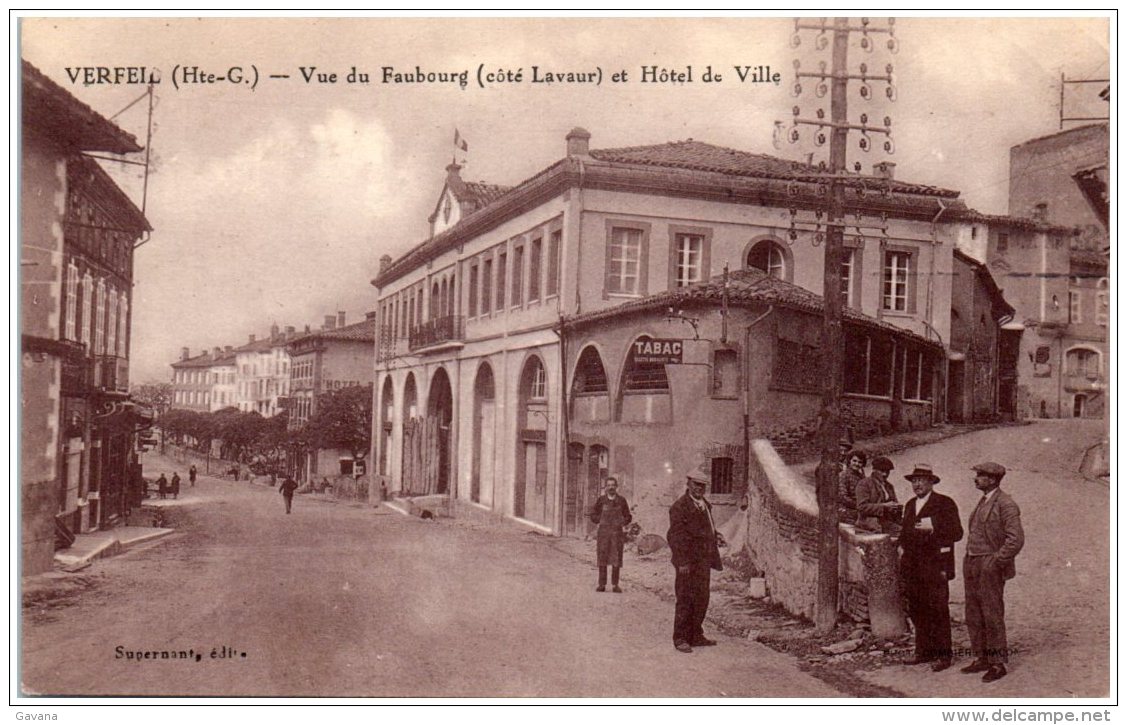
877	508
995	538
612	514
692	539
928	534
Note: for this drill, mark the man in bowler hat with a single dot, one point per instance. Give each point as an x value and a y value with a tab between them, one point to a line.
928	534
994	538
692	539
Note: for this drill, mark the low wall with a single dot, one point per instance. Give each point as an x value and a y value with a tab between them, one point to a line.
782	539
782	531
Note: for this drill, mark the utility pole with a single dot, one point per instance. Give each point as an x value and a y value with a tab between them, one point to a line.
833	348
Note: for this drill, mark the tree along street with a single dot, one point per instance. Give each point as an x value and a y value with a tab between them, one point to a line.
342	599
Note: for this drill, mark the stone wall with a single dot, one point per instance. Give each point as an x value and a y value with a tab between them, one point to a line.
782	530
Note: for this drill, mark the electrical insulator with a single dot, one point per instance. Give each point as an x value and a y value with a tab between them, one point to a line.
795	40
796	90
865	143
818	239
866	44
890	92
793	136
893	45
889	146
795	110
822	41
866	91
857	166
821	89
820	138
888	121
820	113
864	118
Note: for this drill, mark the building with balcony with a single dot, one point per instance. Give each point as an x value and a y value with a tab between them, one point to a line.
336	356
486	326
78	232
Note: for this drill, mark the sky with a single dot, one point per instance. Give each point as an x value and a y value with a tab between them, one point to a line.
273	203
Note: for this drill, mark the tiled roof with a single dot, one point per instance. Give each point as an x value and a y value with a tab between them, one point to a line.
206	360
699	156
1089	257
363	331
482	194
1013	222
67	120
744	286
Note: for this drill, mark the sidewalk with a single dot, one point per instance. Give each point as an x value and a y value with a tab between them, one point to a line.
101	544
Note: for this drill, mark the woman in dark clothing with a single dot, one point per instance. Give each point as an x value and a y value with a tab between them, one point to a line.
612	514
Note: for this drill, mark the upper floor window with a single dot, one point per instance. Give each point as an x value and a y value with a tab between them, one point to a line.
1102	308
486	286
689	259
534	254
554	240
518	275
72	301
850	277
590	376
1074	306
897	294
87	306
501	258
1003	241
1083	363
626	258
473	291
768	256
538	390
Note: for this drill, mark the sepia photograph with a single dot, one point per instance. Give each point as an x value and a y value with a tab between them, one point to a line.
558	358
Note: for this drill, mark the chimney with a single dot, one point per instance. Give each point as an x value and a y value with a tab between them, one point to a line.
385	260
274	331
184	353
330	323
289	330
251	339
226	348
307	330
578	142
1041	211
203	353
370	315
216	352
885	170
340	318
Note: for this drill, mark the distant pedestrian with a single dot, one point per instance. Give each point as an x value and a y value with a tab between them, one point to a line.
162	486
994	538
192	475
175	487
612	514
288	487
928	534
692	539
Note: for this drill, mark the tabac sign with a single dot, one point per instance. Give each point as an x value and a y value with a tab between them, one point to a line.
657	351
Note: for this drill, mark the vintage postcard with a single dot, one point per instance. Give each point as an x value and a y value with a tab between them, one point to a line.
565	357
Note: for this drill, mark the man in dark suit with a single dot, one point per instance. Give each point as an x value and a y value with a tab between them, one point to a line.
612	514
995	537
692	539
928	534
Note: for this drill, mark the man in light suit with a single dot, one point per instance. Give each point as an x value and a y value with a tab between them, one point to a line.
995	537
692	539
928	534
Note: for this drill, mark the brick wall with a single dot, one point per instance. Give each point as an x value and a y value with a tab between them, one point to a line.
782	539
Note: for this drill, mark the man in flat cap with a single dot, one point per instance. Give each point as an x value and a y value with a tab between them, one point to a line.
928	534
692	539
877	508
994	538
